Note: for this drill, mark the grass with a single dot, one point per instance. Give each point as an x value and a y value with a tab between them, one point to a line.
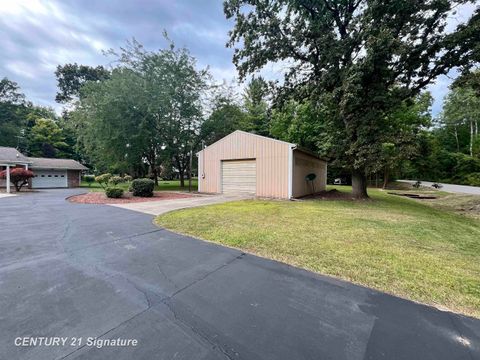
164	185
393	244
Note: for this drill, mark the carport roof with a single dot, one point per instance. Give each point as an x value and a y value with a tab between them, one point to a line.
64	164
10	155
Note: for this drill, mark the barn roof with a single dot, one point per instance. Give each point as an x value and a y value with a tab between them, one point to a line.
295	146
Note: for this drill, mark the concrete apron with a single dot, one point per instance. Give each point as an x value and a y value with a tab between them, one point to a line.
164	206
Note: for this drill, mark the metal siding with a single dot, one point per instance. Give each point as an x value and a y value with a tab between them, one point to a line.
271	163
304	164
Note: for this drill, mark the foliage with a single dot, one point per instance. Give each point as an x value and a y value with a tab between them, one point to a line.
71	78
142	187
115	180
127	178
114	192
89	179
226	117
359	59
149	109
462	109
473	179
18	177
103	179
256	107
46	139
12	102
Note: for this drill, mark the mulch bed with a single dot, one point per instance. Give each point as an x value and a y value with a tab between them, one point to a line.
101	198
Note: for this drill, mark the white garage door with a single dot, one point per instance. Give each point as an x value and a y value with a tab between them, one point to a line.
239	177
49	179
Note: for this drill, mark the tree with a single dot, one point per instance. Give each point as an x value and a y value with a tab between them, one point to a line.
71	77
12	101
462	108
256	107
147	110
469	79
18	177
226	117
46	139
411	119
359	58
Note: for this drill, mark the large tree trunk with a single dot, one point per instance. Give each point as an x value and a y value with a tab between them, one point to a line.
182	178
155	174
359	185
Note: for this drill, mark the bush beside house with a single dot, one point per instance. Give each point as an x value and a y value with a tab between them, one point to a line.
18	177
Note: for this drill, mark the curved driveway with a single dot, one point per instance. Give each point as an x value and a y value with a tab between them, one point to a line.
458	189
78	271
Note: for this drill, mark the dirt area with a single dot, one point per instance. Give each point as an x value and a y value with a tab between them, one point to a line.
101	198
333	194
467	205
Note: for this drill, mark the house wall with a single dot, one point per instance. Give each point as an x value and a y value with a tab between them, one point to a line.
272	158
73	177
304	164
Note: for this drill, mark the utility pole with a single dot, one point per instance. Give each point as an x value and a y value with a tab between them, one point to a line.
190	169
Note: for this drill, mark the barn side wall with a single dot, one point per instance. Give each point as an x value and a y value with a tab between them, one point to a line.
304	164
271	162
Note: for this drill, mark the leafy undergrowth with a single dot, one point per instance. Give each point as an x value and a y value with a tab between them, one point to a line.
393	244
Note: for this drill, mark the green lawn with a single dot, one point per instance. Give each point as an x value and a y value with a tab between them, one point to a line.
173	185
390	243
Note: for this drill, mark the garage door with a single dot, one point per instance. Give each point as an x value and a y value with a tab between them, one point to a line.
239	177
49	179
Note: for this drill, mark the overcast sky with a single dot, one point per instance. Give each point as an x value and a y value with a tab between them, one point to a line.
36	36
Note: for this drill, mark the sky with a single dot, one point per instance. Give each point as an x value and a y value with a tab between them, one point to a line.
38	35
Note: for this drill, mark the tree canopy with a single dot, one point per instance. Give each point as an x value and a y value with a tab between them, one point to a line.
356	59
148	110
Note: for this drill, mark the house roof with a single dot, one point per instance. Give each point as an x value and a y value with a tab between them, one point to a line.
46	163
10	155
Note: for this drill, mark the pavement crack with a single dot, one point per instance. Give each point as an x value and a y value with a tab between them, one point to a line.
197	332
207	275
105	333
167	301
166	277
128	237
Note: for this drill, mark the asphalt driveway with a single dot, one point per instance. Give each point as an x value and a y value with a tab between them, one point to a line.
78	271
452	188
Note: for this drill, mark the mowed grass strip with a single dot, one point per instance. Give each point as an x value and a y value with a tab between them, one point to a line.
163	185
389	243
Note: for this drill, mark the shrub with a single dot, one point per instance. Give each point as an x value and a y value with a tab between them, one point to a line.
103	179
142	187
89	179
114	192
18	177
115	180
473	179
127	178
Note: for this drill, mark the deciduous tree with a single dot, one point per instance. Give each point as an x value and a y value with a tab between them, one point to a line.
359	58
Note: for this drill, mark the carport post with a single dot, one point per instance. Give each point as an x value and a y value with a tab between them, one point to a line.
8	178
